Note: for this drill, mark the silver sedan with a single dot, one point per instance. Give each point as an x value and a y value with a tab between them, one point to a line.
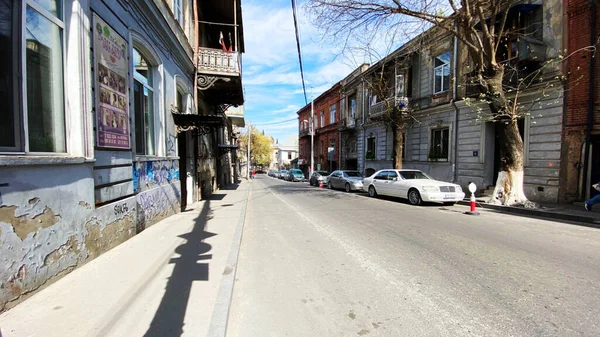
348	180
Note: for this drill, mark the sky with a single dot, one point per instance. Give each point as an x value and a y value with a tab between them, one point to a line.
271	72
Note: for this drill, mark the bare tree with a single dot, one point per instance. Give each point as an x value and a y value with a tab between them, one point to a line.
483	29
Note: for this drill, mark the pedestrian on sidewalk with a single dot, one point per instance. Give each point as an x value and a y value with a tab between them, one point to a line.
593	200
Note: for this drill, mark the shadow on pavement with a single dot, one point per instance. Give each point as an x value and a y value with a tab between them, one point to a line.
170	315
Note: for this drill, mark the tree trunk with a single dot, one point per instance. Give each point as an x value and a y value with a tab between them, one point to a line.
397	146
509	186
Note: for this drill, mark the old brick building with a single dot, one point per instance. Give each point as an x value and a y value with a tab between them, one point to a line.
326	111
581	132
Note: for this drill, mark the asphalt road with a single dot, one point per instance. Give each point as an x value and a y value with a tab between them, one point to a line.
315	262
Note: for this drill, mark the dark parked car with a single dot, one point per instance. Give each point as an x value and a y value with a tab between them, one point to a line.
348	180
295	175
317	176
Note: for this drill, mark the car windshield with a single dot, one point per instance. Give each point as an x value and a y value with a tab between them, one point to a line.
323	173
414	175
283	171
352	174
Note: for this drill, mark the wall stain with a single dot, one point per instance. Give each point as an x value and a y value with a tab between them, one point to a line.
72	245
99	241
34	201
23	225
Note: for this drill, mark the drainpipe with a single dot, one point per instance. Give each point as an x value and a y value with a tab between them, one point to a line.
454	95
590	115
364	128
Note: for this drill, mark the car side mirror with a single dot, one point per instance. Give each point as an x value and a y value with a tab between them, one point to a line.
395	179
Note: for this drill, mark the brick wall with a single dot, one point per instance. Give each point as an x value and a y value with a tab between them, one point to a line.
577	97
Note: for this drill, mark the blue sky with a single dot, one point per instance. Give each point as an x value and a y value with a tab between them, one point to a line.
271	71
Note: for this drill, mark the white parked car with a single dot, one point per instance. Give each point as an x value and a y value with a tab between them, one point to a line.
413	185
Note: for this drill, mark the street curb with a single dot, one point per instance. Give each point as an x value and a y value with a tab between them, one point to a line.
584	220
220	316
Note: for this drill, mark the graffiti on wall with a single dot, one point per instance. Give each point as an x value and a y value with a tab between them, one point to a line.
150	173
171	142
157	203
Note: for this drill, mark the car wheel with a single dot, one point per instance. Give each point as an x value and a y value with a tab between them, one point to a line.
414	198
329	186
372	192
348	188
449	203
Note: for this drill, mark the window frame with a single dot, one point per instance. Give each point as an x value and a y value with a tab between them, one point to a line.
322	118
435	155
179	16
352	106
442	66
372	138
332	112
19	77
153	68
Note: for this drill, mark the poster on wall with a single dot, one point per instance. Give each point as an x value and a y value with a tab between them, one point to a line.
112	86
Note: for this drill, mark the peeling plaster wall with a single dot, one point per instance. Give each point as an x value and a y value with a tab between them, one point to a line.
48	227
42	212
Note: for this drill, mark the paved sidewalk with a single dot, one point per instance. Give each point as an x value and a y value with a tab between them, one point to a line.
560	212
168	280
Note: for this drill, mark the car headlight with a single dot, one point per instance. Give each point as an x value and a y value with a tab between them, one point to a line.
430	188
358	183
458	189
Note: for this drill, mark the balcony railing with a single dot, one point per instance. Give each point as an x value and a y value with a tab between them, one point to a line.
304	132
379	109
215	61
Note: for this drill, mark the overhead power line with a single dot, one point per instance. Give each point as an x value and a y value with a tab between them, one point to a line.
299	53
274	123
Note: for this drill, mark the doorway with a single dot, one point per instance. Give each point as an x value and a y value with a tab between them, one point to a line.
182	151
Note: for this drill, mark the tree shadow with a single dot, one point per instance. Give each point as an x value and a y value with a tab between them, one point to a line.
169	317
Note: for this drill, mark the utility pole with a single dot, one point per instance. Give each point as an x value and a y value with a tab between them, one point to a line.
248	160
312	133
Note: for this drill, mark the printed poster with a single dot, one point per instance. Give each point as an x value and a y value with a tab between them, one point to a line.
112	87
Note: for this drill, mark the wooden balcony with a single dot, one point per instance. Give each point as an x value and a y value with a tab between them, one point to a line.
379	109
220	76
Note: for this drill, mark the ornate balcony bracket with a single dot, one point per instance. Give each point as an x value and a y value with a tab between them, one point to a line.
205	82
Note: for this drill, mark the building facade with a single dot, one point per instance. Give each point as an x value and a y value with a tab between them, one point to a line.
353	96
103	136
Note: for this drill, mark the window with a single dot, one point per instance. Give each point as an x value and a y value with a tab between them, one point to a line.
332	114
143	100
392	175
322	118
439	144
40	76
178	11
522	20
352	106
441	73
400	92
370	147
289	155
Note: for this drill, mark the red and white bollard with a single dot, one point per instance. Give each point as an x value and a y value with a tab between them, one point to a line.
320	183
472	189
